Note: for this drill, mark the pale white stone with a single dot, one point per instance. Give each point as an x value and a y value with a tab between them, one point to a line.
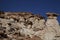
27	32
54	24
38	24
53	28
49	36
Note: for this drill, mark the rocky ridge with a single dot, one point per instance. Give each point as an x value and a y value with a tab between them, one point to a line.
27	26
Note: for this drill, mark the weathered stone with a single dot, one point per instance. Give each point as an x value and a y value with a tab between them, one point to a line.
27	26
52	27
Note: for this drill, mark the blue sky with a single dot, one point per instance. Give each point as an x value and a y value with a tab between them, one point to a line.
34	6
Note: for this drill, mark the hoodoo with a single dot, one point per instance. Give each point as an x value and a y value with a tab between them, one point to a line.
52	25
28	26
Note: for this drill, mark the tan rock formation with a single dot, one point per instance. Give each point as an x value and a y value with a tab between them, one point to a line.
27	26
52	26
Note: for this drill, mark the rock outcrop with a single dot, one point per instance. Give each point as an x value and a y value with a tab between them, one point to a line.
27	26
52	26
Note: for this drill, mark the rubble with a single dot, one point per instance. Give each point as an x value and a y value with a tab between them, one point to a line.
27	26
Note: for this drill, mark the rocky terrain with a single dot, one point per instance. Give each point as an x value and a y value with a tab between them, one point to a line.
28	26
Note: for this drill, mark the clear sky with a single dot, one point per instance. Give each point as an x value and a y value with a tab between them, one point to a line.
34	6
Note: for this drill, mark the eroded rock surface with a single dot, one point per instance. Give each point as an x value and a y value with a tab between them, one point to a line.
27	26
